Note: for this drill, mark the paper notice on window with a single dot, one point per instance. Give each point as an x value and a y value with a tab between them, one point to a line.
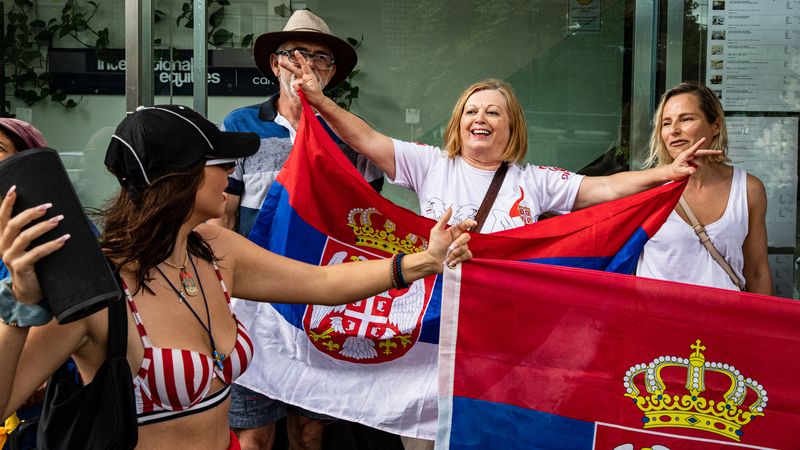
782	266
767	148
753	57
585	15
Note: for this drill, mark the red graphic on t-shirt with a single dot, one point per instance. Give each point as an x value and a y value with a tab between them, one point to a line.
520	210
565	174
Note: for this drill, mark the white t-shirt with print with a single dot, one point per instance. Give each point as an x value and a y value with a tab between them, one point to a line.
527	191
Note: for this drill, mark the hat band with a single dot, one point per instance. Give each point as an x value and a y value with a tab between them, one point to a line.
315	30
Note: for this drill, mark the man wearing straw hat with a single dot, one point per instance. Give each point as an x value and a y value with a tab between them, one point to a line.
253	415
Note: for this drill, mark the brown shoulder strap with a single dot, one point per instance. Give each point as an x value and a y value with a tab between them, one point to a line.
700	231
491	195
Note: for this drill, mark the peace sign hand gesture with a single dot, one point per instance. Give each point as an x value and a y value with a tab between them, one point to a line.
304	78
684	165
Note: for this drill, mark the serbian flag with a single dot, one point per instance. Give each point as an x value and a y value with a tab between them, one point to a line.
543	357
374	361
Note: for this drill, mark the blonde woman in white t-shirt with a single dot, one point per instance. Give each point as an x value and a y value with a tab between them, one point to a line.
487	129
730	203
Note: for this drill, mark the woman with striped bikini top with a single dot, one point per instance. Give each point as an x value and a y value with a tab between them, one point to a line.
173	383
173	166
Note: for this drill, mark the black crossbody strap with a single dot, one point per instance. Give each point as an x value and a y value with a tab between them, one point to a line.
491	195
118	327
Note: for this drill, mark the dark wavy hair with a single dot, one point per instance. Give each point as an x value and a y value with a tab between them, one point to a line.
140	227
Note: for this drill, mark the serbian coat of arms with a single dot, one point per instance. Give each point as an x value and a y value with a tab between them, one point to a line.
379	328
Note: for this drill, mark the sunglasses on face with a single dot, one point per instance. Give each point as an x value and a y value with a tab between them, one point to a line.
224	166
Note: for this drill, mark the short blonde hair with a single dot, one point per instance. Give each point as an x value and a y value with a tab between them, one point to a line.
518	133
712	110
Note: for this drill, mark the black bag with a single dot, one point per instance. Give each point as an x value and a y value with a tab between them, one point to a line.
23	437
101	414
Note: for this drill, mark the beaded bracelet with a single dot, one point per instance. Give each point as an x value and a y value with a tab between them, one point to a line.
16	314
397	265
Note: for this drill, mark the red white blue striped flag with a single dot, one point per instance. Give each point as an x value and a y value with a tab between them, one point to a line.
543	357
374	361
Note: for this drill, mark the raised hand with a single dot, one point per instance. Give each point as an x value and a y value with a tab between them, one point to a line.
448	245
304	78
15	243
684	166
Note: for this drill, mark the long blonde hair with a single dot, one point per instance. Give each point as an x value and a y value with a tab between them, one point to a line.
712	110
518	133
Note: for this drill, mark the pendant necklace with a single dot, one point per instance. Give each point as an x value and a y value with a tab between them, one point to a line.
187	281
217	356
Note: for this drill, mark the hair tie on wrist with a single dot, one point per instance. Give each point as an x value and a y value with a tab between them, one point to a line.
16	314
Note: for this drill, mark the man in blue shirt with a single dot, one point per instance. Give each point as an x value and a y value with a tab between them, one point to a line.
253	415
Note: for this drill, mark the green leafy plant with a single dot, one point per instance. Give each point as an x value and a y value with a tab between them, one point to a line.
217	35
346	92
26	39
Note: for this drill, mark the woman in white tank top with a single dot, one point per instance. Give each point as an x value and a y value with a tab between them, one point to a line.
730	203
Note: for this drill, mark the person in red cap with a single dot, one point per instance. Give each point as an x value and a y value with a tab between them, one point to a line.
254	415
17	135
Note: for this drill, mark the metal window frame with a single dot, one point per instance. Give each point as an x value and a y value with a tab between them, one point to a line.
139	85
643	85
645	68
138	53
200	53
674	66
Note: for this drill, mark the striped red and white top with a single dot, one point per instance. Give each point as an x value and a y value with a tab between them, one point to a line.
173	382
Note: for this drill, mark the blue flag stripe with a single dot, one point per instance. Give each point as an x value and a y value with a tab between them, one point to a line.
623	262
479	424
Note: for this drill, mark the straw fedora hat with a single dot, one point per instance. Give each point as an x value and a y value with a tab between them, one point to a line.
305	25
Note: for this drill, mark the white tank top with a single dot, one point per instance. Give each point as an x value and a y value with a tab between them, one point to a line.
676	254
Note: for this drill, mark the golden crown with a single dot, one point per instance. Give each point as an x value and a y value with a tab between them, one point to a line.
725	417
374	230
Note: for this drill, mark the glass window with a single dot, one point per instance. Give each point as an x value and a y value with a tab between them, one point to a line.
86	87
415	58
569	63
748	54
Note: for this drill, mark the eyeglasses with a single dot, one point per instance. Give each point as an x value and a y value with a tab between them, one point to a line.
318	60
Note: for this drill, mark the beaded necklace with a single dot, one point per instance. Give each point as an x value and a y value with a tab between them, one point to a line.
218	357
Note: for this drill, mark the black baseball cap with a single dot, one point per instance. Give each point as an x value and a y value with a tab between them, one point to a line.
154	141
